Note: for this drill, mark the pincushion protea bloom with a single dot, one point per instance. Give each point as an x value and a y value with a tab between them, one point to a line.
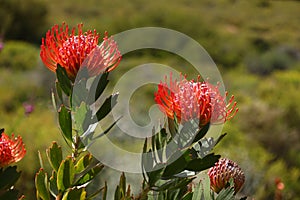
222	172
11	149
186	100
69	50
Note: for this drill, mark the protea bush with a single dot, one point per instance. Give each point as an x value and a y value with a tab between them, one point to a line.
82	59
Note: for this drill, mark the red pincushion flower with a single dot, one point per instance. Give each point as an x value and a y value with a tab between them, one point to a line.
11	149
222	172
70	51
186	100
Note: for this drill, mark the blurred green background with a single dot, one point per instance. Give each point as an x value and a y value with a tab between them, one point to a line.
255	44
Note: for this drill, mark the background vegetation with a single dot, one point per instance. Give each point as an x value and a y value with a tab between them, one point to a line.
256	45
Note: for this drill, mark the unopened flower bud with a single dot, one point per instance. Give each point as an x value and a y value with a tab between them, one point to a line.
222	172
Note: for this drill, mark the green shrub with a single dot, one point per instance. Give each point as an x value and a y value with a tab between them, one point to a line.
17	55
280	58
23	20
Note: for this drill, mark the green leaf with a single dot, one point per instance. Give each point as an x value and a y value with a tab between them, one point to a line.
176	163
65	122
40	159
200	164
41	185
202	190
9	177
83	163
182	182
104	195
220	138
89	175
75	193
65	174
201	133
173	127
63	80
161	143
146	165
107	106
53	99
53	183
198	193
80	87
97	87
122	185
188	196
97	192
155	175
59	91
174	184
79	115
206	187
228	192
54	154
117	193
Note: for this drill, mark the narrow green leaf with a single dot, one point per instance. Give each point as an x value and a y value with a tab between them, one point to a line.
65	174
200	164
63	79
161	143
167	185
188	196
80	114
117	193
206	187
226	194
89	175
107	106
145	164
106	130
181	182
81	93
176	163
153	138
173	127
122	185
220	138
53	99
104	195
198	192
54	154
8	177
59	91
97	87
75	193
53	184
65	122
41	159
83	163
41	185
201	133
155	175
96	193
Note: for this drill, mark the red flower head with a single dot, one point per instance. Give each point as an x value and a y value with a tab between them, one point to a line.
11	149
70	50
222	172
188	100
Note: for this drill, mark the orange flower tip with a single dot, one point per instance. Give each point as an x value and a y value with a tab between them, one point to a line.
12	149
69	50
193	100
